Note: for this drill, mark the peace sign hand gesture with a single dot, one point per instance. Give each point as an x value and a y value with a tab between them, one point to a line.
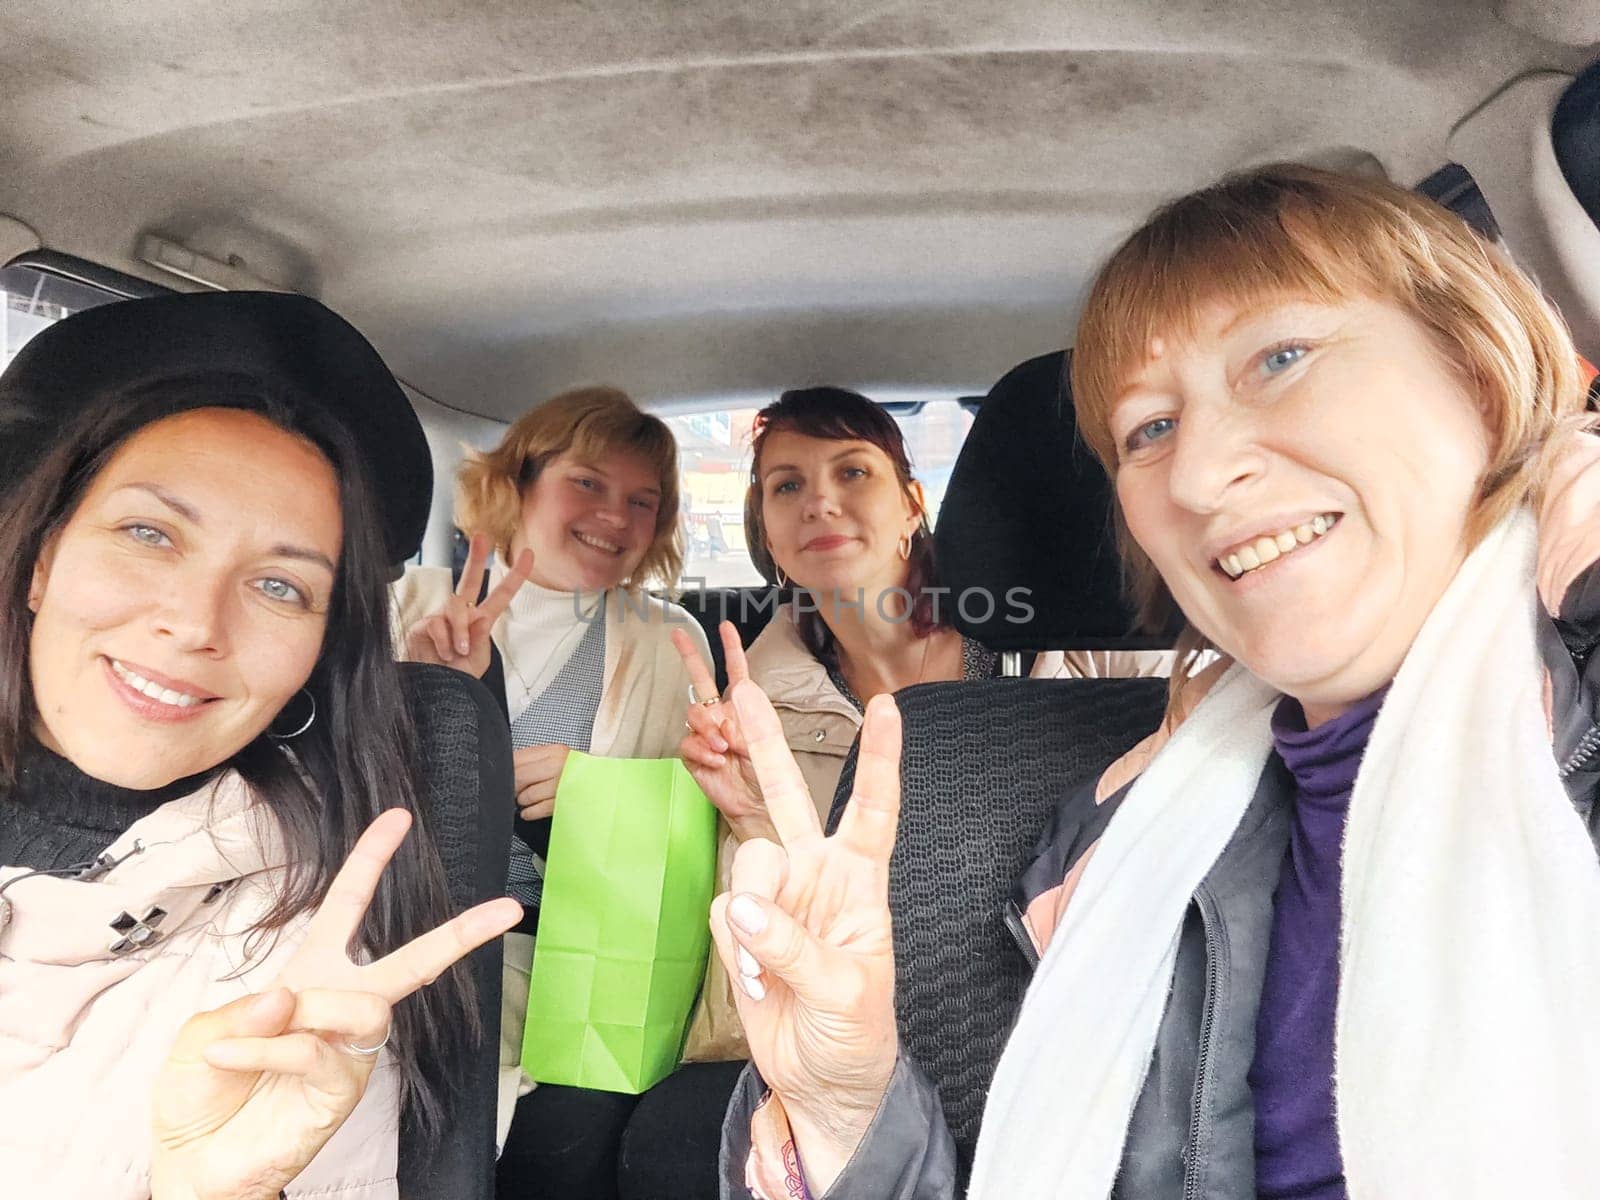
805	933
714	749
252	1090
458	634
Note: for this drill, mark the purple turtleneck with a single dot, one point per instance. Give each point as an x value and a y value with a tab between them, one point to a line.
1297	1140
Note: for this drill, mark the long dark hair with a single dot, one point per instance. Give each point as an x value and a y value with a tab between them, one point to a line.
837	414
352	763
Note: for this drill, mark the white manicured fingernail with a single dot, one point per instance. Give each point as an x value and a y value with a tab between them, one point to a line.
748	966
753	988
744	912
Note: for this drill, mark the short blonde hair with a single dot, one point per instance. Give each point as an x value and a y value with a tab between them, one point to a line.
590	424
1299	232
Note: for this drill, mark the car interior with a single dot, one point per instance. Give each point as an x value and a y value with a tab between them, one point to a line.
705	204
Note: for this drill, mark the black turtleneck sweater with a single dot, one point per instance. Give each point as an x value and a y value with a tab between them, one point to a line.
58	817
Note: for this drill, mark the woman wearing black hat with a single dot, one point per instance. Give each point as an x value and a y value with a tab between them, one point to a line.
193	564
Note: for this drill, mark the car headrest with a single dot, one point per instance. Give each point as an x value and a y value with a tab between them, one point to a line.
1575	134
1029	507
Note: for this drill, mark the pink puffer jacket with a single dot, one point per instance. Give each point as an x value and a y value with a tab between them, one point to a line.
96	977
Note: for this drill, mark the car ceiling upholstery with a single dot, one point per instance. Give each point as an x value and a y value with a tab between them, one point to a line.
691	199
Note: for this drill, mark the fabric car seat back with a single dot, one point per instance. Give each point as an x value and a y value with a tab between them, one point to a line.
464	749
984	763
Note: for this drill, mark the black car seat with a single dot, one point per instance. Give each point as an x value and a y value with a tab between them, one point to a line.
1029	507
983	762
464	745
1575	135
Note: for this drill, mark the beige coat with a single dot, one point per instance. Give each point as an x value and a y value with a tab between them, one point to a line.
821	726
84	1029
644	699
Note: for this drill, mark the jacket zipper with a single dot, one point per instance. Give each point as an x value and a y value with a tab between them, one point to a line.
1191	1176
1583	754
1019	931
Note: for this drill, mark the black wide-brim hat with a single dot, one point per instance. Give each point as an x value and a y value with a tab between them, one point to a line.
306	353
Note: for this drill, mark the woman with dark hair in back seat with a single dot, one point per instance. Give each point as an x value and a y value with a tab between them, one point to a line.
1334	929
579	502
199	715
835	514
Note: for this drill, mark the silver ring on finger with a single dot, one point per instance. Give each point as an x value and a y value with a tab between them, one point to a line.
369	1051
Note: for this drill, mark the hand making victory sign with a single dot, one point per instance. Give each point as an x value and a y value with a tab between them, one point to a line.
458	634
805	934
714	749
252	1090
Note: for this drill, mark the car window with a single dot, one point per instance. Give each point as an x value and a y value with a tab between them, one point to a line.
714	458
31	300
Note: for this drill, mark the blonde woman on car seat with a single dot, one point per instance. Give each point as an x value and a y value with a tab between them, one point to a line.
1343	432
199	716
581	498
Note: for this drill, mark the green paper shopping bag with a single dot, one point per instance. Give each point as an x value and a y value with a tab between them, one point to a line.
623	931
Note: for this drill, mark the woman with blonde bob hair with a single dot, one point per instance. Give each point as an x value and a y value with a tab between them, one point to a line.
579	502
589	424
1334	929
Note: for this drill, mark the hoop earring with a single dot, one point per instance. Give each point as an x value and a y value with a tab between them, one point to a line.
905	547
311	717
783	580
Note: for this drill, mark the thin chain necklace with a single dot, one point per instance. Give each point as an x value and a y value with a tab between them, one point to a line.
527	692
922	670
505	652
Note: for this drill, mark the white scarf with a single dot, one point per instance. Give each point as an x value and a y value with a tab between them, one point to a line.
1467	1041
